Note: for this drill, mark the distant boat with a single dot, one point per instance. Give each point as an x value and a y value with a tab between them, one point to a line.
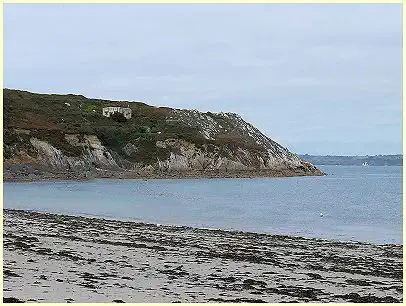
365	164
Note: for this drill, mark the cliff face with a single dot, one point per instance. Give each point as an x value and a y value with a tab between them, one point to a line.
68	133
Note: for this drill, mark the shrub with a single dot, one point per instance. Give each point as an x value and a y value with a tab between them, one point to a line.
144	129
92	107
118	117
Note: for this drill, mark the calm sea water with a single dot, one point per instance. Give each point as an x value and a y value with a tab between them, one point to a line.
357	203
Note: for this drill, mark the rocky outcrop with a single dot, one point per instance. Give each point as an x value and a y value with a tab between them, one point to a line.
188	157
184	156
94	154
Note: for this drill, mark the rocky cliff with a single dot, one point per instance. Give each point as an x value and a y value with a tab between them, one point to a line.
67	133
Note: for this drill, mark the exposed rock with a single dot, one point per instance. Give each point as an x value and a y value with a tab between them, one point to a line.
130	149
11	300
94	153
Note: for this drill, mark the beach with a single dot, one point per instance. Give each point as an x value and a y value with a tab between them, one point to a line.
26	174
58	258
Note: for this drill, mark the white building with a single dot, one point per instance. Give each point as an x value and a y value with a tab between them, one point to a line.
108	111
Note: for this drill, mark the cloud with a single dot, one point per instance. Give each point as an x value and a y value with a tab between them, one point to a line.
287	68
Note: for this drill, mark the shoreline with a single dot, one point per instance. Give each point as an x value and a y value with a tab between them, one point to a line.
192	227
195	174
60	258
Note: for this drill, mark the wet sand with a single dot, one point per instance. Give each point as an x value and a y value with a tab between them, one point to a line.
56	258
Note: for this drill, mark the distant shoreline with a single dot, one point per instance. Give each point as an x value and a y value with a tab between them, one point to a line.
358	165
334	160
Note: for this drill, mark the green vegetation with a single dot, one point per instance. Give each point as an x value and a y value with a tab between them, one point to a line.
118	117
118	138
57	140
14	142
50	117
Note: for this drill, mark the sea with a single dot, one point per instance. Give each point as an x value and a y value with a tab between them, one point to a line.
351	203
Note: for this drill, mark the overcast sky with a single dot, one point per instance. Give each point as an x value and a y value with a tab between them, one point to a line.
317	78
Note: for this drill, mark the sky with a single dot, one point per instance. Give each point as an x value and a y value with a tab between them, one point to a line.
317	78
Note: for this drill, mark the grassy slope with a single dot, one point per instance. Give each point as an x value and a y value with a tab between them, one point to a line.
49	118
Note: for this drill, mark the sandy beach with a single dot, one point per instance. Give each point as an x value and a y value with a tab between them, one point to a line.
56	258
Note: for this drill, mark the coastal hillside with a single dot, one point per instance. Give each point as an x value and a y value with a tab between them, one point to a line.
49	133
